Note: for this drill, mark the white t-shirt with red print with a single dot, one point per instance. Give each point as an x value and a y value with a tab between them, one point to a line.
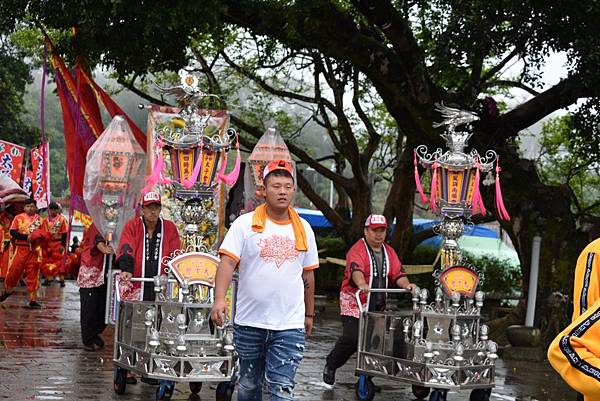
270	290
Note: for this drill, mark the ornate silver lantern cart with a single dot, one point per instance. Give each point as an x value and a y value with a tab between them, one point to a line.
441	345
172	339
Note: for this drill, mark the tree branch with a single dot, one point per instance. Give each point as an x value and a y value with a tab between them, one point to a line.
561	95
131	87
513	84
338	221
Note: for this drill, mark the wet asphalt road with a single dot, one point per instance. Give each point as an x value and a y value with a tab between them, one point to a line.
41	359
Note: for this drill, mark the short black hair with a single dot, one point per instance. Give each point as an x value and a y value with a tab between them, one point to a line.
277	173
53	206
30	201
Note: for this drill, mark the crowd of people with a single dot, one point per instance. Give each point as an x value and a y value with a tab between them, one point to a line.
34	248
272	249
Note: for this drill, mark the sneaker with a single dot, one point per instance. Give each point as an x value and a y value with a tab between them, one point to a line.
4	296
62	283
35	305
98	341
329	375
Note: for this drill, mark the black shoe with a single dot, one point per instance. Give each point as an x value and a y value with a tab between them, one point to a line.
62	283
131	380
98	341
152	382
35	305
4	296
46	283
89	348
329	375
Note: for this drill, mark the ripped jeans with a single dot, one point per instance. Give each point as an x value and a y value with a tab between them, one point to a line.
268	354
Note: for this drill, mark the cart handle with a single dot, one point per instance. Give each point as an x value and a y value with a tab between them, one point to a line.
386	290
148	280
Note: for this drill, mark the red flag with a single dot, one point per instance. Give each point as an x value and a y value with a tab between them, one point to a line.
11	160
79	96
40	167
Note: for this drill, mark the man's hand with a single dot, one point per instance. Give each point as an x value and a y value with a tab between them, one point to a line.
105	249
308	326
219	311
124	276
410	286
364	287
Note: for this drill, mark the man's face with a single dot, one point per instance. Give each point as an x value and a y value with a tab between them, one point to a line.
53	213
151	212
30	209
279	191
375	236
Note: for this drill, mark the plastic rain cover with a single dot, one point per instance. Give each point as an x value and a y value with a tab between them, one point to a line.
114	177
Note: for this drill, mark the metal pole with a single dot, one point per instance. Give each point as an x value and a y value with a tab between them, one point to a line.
533	280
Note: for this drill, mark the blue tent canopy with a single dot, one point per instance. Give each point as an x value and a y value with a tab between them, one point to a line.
436	241
314	217
316	220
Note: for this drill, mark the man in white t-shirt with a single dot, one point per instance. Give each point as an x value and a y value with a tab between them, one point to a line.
275	253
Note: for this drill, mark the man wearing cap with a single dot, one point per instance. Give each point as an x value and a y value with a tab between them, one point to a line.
275	253
54	247
370	263
27	232
144	242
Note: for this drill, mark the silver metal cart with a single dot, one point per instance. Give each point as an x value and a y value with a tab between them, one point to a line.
441	346
172	340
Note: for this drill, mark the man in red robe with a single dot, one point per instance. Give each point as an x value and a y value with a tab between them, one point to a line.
27	231
370	263
144	242
54	247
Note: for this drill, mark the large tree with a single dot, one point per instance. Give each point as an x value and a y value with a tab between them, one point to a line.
371	72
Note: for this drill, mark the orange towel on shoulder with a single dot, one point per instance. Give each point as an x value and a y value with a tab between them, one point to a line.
259	219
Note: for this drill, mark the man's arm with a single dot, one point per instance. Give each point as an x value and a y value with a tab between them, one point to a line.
403	282
222	282
308	277
358	277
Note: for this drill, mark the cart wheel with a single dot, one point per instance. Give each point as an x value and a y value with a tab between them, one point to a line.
195	387
224	391
164	391
438	395
420	392
365	389
480	394
120	380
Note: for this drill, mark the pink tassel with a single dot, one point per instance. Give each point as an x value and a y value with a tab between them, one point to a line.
433	189
477	201
502	213
418	180
189	182
231	178
158	170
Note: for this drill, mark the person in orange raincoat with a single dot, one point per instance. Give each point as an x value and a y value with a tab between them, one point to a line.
54	248
574	353
27	232
6	218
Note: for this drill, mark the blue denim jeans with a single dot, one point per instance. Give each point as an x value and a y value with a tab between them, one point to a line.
268	354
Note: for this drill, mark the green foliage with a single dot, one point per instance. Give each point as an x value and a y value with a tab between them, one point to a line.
500	275
329	275
14	77
569	157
